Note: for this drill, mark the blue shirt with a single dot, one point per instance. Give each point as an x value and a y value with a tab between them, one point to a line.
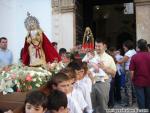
6	57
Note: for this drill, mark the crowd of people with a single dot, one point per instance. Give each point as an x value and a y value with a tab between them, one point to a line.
93	78
93	83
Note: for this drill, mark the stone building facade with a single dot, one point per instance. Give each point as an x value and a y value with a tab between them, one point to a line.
64	21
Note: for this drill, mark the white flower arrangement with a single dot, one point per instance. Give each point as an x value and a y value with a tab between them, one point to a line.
23	78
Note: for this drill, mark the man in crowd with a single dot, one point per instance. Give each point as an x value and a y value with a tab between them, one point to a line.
100	90
140	75
6	56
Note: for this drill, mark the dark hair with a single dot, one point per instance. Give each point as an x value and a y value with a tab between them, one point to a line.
54	43
148	45
142	44
56	79
56	100
98	40
75	65
3	38
62	51
69	72
112	49
129	44
36	98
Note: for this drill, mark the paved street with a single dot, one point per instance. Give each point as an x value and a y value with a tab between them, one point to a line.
119	108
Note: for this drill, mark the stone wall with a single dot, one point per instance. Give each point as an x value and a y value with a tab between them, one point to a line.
63	23
143	19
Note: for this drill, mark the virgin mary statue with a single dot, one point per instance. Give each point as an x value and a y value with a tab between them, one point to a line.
38	50
88	39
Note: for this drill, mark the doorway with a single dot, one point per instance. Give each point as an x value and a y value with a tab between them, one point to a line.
112	20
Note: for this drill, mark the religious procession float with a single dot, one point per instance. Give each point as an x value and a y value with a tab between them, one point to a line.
39	61
16	80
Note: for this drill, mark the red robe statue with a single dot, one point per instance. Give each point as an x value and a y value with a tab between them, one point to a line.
50	52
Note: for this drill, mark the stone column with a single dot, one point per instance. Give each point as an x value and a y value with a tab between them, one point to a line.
63	23
143	19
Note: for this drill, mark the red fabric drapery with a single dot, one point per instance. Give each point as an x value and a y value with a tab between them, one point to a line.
50	52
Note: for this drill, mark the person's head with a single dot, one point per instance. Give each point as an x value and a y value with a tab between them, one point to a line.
148	46
60	81
55	45
71	74
62	51
112	51
3	43
35	102
100	46
77	67
90	54
142	44
57	102
128	45
118	52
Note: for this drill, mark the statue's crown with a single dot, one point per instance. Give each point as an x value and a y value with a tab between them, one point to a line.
31	21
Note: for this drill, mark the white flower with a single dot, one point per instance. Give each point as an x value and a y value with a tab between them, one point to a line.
58	68
50	73
40	79
39	76
37	85
34	79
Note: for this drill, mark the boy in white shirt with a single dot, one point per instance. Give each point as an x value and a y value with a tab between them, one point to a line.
74	92
61	82
82	86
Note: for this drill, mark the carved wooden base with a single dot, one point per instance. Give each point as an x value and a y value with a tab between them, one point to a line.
12	101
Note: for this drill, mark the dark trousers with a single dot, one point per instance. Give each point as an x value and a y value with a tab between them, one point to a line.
143	97
117	87
111	93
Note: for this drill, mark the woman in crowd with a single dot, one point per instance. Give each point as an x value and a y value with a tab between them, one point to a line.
128	47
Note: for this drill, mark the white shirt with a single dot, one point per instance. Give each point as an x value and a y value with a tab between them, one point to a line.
78	96
94	61
6	57
73	105
86	94
129	54
88	81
